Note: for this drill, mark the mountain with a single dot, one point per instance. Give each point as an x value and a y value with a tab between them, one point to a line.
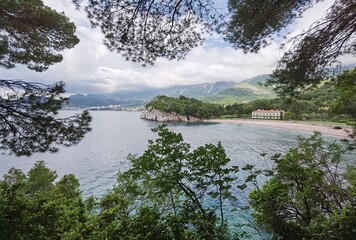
219	92
89	101
257	80
198	90
247	90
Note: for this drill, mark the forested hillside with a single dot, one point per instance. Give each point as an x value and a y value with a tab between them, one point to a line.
328	102
333	100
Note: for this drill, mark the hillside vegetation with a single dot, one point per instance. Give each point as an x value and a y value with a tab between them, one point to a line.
324	103
330	101
185	106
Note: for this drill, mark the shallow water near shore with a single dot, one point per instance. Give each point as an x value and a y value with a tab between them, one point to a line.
103	152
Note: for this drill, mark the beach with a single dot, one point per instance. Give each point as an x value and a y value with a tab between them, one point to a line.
292	125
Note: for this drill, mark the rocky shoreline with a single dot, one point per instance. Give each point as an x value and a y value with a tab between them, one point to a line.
156	115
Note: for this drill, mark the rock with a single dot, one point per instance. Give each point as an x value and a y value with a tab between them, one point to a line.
156	115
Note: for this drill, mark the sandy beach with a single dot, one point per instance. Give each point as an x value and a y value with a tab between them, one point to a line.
298	126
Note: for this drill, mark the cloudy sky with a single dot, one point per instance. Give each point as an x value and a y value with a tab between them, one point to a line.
91	68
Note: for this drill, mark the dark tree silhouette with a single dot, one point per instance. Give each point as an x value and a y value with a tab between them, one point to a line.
311	55
143	30
33	34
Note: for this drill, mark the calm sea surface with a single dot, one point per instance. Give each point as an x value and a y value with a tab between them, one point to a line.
103	152
97	159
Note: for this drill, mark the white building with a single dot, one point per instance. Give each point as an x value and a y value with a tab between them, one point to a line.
268	114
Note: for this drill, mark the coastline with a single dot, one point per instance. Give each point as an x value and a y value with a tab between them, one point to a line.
280	124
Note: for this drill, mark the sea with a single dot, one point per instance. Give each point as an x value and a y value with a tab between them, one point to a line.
102	154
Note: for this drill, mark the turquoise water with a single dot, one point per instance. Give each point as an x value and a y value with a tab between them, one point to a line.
103	153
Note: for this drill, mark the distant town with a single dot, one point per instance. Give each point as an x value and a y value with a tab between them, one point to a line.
105	108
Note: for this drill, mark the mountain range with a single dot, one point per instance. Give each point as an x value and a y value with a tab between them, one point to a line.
219	92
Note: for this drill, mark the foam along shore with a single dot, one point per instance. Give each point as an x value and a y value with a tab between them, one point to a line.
298	126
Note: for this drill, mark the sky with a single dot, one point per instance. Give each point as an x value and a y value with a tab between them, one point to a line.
90	68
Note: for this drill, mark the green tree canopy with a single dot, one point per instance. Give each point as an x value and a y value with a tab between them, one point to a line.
307	195
34	35
185	106
177	192
32	206
346	89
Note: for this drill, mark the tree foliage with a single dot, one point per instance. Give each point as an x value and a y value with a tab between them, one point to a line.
316	53
32	206
311	53
177	181
165	192
307	193
34	35
170	192
29	120
144	30
253	33
346	89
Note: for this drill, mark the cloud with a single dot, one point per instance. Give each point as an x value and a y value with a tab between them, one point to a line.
91	68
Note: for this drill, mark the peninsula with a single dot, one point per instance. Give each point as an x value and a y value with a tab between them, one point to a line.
182	109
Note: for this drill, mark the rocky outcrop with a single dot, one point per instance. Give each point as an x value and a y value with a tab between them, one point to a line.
156	115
